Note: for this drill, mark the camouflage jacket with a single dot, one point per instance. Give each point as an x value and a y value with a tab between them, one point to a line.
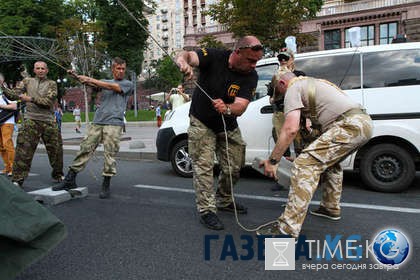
43	94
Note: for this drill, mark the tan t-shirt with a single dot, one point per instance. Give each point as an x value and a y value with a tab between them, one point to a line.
330	101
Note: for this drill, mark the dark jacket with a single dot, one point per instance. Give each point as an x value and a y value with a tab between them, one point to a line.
28	231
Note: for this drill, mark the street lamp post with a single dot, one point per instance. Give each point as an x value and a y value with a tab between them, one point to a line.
148	73
134	79
61	90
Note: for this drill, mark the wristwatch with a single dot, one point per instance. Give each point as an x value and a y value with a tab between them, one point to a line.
273	161
228	111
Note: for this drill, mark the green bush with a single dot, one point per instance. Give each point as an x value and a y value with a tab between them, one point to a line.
142	115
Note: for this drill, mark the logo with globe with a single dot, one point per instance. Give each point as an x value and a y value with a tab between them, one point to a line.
391	247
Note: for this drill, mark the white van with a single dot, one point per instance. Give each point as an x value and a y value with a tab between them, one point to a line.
385	79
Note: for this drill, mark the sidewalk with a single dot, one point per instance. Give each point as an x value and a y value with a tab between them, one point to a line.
139	141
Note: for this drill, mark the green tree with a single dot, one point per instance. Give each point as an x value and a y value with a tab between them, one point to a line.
270	20
31	18
124	37
166	75
209	41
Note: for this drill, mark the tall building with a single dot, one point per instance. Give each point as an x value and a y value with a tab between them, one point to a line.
197	25
166	25
178	24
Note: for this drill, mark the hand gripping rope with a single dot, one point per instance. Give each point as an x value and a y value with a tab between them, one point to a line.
70	72
223	119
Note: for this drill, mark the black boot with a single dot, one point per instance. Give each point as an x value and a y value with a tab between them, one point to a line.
105	192
69	182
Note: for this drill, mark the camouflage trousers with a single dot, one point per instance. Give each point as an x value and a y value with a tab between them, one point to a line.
203	145
27	140
322	159
110	136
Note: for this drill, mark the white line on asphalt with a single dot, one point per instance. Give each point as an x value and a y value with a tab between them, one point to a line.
278	199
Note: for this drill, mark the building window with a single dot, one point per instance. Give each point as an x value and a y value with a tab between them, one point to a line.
367	36
387	31
332	39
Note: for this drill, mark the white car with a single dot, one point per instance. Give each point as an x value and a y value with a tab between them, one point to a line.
385	79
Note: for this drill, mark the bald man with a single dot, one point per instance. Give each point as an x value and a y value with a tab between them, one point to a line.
230	79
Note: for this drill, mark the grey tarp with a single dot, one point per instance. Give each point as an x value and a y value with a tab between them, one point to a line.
28	230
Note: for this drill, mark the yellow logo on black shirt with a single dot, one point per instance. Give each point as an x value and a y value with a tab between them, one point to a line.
233	90
204	52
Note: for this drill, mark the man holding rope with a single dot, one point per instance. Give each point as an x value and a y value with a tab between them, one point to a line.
106	127
228	81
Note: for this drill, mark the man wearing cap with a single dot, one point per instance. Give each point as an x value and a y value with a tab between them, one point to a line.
286	60
345	127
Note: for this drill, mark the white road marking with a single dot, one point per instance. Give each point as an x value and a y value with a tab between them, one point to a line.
278	199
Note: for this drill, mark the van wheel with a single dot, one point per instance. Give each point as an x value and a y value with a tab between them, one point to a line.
387	168
180	159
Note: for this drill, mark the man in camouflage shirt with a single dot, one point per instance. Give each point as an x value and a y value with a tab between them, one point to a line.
39	93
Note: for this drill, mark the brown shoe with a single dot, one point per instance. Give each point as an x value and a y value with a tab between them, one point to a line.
325	213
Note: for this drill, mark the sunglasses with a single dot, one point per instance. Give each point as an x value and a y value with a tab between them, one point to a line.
254	48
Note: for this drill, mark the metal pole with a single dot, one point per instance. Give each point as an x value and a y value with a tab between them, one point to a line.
150	94
134	79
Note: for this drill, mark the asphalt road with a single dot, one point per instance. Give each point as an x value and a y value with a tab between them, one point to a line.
149	229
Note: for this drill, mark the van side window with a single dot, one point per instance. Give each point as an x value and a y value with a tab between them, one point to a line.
265	73
391	68
342	70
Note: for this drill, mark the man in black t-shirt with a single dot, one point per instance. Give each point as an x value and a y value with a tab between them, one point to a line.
228	80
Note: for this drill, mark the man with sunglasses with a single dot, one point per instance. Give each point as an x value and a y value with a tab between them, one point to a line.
228	81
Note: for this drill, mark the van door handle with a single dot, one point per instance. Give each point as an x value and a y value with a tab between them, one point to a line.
268	109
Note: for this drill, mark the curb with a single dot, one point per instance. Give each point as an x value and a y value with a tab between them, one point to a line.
125	155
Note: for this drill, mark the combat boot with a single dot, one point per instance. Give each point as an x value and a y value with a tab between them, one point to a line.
105	192
68	183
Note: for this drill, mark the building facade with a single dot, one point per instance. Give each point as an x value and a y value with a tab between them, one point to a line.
179	24
166	25
380	22
197	25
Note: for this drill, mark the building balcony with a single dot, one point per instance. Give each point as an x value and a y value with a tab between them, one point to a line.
357	6
205	30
